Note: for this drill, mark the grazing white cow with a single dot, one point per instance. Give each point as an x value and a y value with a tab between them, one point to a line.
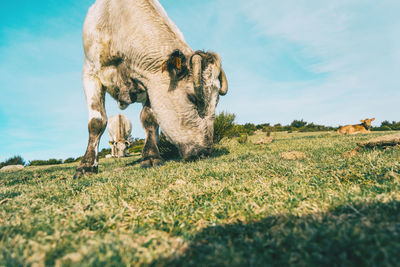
119	130
134	52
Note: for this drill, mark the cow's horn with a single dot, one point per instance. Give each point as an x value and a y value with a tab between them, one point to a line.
197	76
224	83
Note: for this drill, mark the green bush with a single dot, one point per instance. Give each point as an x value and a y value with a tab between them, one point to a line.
136	146
16	160
387	126
278	128
298	124
69	160
262	126
223	126
136	149
382	128
248	128
45	162
243	138
104	152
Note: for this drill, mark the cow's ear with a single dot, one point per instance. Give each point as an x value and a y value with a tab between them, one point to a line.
362	121
111	143
176	65
372	119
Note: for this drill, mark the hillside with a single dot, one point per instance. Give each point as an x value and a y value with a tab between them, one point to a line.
243	206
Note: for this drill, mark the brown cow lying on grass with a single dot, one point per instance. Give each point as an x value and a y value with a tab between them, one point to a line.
364	127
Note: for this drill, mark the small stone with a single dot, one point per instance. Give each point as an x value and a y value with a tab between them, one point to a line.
12	168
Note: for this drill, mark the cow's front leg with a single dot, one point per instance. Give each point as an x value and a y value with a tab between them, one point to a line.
150	154
95	95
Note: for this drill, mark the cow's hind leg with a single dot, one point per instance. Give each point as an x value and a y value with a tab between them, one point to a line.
95	95
150	154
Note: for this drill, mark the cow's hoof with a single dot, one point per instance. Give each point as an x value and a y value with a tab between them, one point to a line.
85	170
151	162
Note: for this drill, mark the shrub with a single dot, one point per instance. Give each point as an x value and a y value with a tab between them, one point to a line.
262	126
243	138
387	126
382	128
16	160
104	152
223	125
250	127
136	145
69	160
278	128
136	149
298	124
396	126
45	162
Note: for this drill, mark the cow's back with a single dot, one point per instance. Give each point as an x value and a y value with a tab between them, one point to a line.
129	28
352	129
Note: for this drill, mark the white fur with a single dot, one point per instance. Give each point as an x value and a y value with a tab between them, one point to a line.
119	130
168	20
115	127
92	88
141	34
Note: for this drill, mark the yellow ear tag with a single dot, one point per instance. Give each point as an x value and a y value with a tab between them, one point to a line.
179	63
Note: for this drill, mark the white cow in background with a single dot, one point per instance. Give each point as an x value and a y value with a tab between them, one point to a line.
119	130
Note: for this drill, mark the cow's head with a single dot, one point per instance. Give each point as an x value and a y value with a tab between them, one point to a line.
367	123
196	82
120	148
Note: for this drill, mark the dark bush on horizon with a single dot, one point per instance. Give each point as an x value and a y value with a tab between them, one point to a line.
298	124
136	145
388	126
16	160
104	152
45	162
69	160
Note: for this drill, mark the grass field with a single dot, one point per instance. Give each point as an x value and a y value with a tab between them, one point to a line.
245	206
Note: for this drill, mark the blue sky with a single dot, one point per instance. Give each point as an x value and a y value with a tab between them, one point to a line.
329	62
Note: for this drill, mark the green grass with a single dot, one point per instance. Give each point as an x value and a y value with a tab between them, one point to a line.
243	206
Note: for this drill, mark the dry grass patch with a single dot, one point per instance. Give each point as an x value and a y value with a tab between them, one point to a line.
264	141
293	155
